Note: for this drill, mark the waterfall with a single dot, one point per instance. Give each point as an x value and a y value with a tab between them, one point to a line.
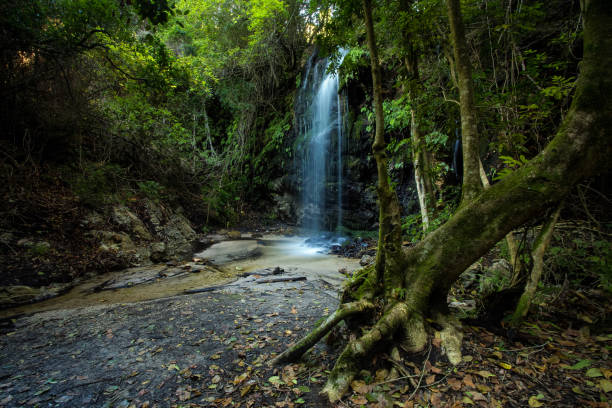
320	146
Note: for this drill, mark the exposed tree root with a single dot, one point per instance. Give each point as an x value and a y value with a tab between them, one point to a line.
451	336
344	310
348	364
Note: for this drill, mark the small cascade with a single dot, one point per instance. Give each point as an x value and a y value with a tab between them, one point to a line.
320	146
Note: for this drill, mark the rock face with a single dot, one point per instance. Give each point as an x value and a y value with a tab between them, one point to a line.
152	233
21	294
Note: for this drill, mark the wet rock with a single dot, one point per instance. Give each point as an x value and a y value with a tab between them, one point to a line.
366	260
14	295
234	235
284	206
227	251
19	294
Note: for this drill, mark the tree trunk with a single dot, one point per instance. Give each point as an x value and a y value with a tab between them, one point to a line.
471	186
539	249
423	274
513	247
421	158
390	227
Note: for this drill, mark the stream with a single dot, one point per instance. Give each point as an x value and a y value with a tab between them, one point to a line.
223	263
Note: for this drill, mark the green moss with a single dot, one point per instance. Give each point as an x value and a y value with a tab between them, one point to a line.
361	285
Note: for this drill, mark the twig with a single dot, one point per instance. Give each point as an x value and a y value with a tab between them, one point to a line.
396	379
422	375
519	349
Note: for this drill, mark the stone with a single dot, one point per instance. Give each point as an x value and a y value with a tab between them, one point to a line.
19	294
158	251
366	260
127	220
284	206
234	235
92	221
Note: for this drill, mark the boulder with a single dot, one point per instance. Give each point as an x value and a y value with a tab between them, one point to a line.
122	245
129	222
366	260
234	234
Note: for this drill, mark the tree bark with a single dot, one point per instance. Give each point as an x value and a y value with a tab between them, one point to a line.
421	158
539	249
471	186
581	148
390	227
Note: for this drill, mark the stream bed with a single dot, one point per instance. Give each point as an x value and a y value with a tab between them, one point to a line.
232	263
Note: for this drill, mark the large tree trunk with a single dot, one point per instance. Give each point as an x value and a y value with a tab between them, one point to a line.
471	186
423	274
390	227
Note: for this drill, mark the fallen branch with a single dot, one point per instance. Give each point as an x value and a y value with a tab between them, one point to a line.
201	290
275	280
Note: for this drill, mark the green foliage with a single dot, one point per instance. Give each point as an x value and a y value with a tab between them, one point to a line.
583	259
412	225
151	189
98	183
511	165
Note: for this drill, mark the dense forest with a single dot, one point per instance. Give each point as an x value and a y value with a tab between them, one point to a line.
459	150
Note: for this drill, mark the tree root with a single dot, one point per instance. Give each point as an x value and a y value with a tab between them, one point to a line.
347	365
344	310
451	337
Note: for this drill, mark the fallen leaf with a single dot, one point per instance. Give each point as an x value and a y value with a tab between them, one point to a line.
580	365
533	402
467	380
605	385
454	383
594	372
359	400
478	396
485	374
240	378
245	390
360	386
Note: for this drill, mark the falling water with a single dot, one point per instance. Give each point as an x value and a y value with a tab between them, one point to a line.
319	114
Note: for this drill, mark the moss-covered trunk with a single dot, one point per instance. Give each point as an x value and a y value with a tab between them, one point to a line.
390	227
469	125
580	148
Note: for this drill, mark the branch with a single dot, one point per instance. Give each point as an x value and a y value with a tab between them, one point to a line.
344	310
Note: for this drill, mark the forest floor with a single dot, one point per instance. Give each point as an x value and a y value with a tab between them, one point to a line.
210	350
